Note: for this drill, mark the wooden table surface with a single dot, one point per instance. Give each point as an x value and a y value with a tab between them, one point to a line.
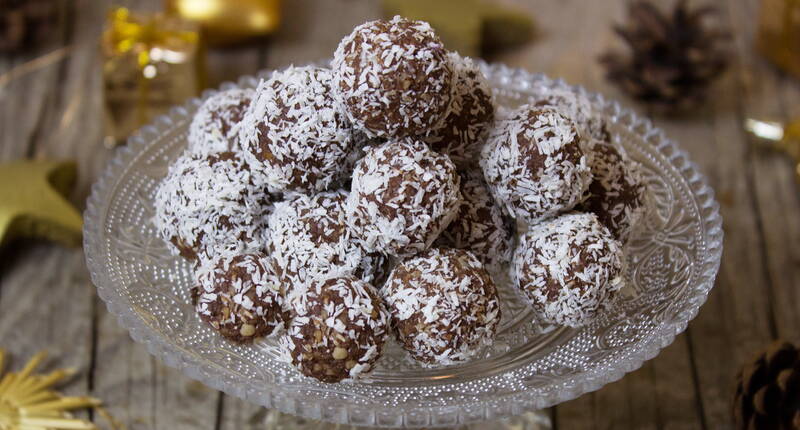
48	302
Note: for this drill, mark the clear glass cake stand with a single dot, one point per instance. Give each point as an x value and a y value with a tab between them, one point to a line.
672	262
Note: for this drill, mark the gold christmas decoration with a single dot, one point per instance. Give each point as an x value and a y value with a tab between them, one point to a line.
151	62
33	203
673	58
775	135
27	401
467	26
225	21
768	390
779	33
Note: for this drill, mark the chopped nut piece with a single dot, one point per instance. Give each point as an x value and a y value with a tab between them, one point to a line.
247	330
339	353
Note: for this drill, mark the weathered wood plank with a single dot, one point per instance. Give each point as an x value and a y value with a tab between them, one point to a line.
44	303
777	193
738	316
781	207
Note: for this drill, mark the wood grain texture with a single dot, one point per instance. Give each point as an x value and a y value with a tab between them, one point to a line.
47	301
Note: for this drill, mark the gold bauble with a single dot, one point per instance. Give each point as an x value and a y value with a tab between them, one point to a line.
229	21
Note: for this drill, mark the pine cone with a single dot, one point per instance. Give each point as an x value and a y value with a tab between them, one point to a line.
25	22
673	59
768	390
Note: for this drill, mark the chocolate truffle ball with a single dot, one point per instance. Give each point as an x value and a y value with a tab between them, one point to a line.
443	304
211	128
294	133
393	77
479	225
463	131
569	268
338	331
534	164
240	297
210	203
578	108
308	238
402	196
616	195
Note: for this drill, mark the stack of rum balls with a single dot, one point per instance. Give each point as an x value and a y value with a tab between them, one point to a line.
330	207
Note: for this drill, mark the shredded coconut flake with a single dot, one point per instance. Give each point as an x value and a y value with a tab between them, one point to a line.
339	330
393	78
240	297
444	305
403	196
309	238
209	205
534	164
463	131
617	192
210	130
295	133
480	225
569	268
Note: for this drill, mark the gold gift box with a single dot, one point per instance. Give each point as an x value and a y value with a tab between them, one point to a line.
150	63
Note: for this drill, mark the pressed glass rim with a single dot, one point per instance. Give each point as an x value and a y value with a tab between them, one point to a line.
445	397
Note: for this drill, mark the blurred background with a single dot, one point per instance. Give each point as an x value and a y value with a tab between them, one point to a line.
721	78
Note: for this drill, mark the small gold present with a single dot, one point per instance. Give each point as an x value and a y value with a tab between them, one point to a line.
779	33
150	62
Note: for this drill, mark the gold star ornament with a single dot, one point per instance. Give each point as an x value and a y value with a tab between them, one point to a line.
33	202
27	401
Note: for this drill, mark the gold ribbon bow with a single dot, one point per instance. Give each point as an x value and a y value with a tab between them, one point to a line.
132	33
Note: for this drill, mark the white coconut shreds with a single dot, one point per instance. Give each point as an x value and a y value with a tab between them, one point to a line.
393	77
240	296
577	107
308	238
207	204
338	331
569	268
210	130
444	306
479	225
462	133
402	196
361	143
534	164
617	192
295	133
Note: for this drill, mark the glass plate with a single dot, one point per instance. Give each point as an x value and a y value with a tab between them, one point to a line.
673	259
